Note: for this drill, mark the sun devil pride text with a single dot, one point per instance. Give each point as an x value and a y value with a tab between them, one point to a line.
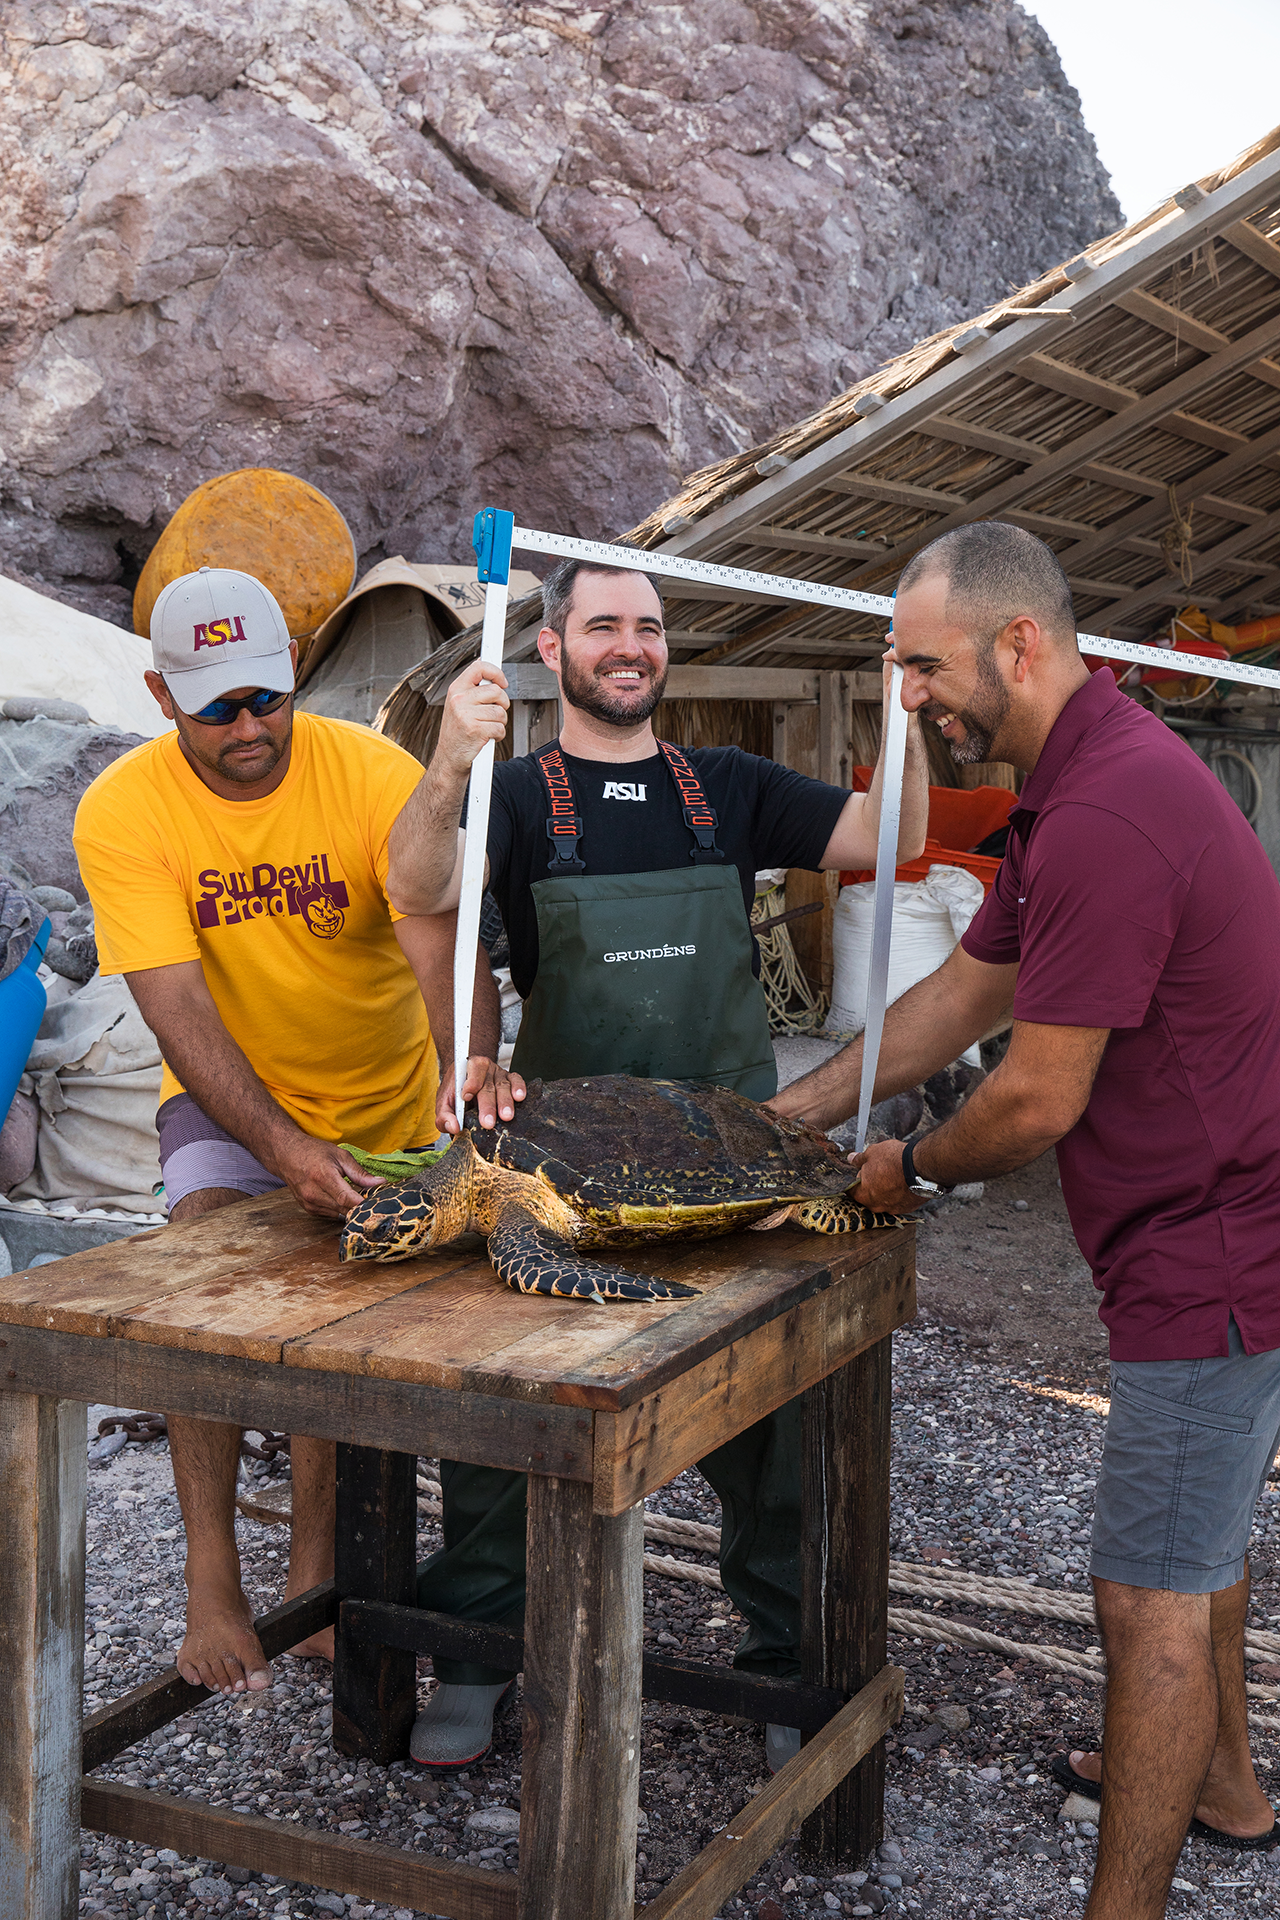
268	892
650	953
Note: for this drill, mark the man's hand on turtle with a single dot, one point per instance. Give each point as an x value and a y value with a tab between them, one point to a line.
492	1088
879	1184
474	713
322	1177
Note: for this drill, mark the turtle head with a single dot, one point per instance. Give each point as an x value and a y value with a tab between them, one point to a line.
410	1217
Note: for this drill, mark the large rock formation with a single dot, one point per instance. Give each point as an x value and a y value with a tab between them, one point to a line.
429	257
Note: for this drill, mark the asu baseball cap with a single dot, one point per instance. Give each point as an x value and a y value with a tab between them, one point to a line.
216	629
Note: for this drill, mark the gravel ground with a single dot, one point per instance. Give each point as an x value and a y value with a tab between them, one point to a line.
998	1416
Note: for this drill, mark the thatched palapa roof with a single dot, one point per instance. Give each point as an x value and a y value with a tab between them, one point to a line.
1125	407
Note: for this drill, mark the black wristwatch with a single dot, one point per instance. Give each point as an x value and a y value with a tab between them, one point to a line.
915	1183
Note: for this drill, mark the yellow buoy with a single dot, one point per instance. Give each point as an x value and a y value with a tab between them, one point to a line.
272	525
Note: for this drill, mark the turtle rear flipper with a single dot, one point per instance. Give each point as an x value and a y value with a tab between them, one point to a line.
533	1258
840	1215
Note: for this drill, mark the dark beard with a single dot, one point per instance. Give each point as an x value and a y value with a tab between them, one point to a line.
983	720
590	695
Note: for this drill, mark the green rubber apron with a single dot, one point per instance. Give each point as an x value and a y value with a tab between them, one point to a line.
644	973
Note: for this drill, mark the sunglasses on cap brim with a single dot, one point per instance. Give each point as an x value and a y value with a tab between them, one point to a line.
221	713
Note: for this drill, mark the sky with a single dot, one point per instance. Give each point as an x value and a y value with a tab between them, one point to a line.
1171	89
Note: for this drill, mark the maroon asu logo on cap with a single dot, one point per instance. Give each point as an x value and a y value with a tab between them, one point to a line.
216	633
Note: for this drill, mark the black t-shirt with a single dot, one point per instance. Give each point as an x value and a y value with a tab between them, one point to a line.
633	822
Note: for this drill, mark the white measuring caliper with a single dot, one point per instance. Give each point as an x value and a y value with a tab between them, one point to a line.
494	537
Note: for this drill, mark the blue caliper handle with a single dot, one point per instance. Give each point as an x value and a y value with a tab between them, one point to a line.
491	538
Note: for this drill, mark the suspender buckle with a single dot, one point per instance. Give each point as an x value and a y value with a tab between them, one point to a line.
564	835
702	824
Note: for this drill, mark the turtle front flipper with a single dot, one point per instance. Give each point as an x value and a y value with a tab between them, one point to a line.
840	1215
534	1258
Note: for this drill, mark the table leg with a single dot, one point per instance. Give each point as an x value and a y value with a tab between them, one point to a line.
846	1577
43	1459
583	1633
375	1557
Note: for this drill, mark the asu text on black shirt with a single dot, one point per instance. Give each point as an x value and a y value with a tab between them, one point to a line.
632	822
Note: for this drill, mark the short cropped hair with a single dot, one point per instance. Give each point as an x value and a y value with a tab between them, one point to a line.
994	572
557	588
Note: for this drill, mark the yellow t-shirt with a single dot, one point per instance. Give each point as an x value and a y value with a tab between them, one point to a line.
283	901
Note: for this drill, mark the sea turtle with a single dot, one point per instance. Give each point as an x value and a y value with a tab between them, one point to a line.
611	1162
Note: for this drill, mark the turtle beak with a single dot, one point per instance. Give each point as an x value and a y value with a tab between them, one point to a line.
388	1226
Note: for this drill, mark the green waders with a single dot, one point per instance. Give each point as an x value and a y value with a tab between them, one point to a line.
648	974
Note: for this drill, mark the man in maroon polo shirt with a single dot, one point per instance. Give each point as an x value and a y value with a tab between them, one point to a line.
1134	928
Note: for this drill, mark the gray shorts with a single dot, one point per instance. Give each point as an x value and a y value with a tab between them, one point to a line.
1189	1444
195	1153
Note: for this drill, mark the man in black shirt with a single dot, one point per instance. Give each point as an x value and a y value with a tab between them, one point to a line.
625	871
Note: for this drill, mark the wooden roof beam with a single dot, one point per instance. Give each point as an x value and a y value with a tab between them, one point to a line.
796	540
1246	239
1265	450
1158	313
1203	563
1189	426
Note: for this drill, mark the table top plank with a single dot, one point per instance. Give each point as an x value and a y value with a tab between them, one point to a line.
254	1315
454	1338
438	1333
92	1292
771	1274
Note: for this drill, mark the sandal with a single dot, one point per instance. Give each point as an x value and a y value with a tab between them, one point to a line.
1065	1774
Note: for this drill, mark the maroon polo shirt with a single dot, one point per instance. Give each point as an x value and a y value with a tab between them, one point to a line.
1134	895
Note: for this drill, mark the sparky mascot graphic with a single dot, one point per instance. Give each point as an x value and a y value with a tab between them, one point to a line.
323	915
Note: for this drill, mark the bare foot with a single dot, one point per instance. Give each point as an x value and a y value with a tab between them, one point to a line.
318	1647
1244	1813
221	1651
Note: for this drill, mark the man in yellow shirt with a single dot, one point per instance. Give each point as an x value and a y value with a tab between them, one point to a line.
237	869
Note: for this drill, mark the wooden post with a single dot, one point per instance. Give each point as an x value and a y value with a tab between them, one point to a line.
845	1595
375	1538
835	729
43	1458
581	1785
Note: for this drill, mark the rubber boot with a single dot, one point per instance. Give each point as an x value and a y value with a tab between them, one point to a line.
455	1728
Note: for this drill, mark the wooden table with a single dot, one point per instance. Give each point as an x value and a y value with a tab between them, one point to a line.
246	1315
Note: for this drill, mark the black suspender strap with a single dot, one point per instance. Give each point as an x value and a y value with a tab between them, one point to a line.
698	816
564	827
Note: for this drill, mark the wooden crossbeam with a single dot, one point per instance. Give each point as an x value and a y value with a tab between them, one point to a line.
1044	371
793	1793
290	1851
1246	239
1264	450
162	1699
797	540
1167	587
1171	320
968	433
685	1683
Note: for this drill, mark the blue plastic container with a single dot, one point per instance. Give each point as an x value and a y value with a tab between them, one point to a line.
22	1004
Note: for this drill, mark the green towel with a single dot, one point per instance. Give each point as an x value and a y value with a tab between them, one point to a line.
395	1166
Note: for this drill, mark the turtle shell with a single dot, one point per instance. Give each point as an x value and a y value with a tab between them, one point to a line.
643	1157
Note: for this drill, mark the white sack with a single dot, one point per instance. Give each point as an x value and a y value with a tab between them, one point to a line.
929	917
95	1071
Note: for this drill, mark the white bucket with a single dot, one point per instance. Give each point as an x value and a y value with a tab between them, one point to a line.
929	917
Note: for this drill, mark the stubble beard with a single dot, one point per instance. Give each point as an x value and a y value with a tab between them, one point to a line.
983	720
589	693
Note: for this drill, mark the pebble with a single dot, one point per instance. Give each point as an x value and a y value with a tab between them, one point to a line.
494	1820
